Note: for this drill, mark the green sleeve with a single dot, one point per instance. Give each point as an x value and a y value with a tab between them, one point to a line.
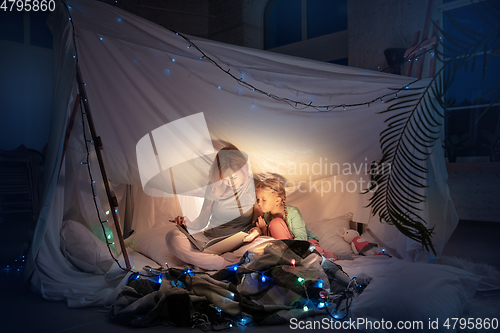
296	223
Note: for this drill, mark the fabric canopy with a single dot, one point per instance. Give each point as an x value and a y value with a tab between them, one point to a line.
140	76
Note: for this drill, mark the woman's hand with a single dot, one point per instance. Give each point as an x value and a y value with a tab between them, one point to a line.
254	233
180	220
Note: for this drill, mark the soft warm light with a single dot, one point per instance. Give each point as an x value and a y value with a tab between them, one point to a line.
292	262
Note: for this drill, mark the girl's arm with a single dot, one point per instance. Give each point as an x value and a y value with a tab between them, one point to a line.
257	211
258	219
260	225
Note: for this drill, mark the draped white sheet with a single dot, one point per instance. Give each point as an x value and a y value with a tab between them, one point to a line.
140	76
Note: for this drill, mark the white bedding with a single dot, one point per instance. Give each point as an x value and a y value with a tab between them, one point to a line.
405	293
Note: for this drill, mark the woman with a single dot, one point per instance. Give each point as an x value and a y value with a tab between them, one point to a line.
227	209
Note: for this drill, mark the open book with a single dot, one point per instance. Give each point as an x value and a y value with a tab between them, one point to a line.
217	245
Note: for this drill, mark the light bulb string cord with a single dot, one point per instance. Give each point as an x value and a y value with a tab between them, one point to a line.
101	222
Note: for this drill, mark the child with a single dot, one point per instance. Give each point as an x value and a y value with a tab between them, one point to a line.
282	221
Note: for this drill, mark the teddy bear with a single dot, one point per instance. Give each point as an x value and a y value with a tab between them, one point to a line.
360	245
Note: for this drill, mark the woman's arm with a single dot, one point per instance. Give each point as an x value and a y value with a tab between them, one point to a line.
201	221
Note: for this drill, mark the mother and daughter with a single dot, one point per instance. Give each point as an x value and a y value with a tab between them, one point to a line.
234	202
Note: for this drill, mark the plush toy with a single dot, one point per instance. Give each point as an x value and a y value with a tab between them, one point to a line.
360	245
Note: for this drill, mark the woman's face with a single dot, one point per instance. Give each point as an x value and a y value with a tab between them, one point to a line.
266	199
234	179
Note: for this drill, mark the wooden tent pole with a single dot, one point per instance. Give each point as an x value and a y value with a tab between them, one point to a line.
113	202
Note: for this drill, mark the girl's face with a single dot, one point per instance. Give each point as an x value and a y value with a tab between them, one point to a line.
267	199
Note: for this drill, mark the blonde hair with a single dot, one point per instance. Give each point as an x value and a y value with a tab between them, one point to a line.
227	158
276	186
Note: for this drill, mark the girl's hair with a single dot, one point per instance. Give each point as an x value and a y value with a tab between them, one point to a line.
276	186
228	157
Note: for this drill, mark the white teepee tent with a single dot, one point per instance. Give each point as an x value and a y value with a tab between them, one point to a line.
140	76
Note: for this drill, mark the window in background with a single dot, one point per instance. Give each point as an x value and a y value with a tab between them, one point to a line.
282	23
11	26
290	21
14	25
326	17
469	130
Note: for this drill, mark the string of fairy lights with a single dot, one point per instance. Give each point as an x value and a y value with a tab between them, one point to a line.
108	236
325	300
330	302
296	104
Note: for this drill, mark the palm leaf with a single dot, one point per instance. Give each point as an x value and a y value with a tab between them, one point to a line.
414	126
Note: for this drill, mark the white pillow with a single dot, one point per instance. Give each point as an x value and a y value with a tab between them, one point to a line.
83	249
151	243
416	292
327	232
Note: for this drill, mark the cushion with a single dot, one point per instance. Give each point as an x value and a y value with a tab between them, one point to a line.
151	243
416	292
327	233
83	249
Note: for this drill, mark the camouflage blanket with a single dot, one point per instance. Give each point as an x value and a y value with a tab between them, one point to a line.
272	283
